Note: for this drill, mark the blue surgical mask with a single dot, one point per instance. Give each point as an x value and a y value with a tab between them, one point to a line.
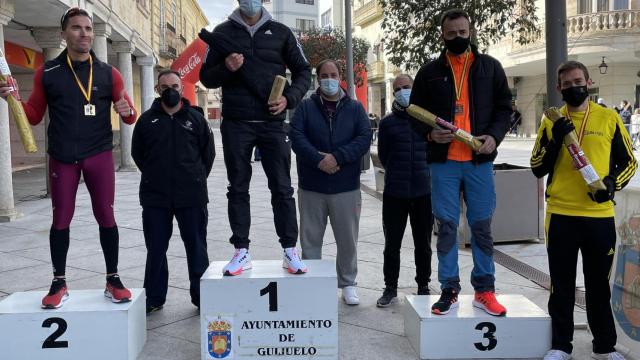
402	97
250	8
329	87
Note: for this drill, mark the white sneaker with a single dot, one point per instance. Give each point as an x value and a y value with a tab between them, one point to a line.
610	356
554	354
240	261
350	295
292	262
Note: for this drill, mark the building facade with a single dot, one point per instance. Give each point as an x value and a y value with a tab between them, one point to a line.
299	15
367	21
137	37
599	32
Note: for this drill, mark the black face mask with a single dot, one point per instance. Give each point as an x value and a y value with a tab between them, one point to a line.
457	45
170	97
575	95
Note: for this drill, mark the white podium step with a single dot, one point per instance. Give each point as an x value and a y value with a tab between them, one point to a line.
88	326
268	313
470	333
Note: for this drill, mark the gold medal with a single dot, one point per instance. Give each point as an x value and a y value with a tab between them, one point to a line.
89	108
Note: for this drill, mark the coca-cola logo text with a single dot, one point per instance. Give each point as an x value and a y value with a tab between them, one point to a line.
194	60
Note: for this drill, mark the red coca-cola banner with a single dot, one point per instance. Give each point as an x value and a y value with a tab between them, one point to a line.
190	61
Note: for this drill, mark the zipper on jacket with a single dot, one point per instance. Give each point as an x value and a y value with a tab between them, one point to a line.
173	160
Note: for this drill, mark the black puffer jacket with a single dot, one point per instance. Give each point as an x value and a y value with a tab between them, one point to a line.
175	154
490	100
403	154
273	44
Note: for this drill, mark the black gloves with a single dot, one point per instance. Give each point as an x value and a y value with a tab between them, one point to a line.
601	196
561	128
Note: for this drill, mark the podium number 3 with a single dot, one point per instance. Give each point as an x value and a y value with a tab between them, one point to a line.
272	290
489	333
50	342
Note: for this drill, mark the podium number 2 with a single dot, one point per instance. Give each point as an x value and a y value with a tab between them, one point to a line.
272	290
489	333
50	342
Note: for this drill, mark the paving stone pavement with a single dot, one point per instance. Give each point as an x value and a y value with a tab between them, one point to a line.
366	332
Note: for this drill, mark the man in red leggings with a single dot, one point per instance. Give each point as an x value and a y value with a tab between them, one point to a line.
79	89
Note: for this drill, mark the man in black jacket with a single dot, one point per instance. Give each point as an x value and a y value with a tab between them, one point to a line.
407	188
470	90
248	120
173	148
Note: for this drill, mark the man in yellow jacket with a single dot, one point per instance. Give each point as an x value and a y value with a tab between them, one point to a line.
577	220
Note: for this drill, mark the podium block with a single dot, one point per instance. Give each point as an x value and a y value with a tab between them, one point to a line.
470	333
268	313
88	326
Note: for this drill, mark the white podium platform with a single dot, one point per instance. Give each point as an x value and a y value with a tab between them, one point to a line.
470	333
268	313
87	326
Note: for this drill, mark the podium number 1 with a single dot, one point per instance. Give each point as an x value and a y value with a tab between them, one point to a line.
51	342
272	290
489	334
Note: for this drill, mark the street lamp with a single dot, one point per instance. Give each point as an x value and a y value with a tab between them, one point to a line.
603	67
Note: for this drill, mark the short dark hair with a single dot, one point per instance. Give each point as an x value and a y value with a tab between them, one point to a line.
453	14
327	61
572	65
72	12
167	72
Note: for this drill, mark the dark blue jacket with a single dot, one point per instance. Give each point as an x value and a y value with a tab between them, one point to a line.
403	155
347	137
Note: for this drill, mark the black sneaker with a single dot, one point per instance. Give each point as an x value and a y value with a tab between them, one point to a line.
389	296
153	308
424	290
448	300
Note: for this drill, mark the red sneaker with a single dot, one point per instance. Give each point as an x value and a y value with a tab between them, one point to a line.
116	291
57	294
487	301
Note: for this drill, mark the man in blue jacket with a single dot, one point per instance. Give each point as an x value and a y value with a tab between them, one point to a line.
330	132
407	193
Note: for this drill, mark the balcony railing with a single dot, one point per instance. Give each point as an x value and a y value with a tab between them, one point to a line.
604	22
376	71
585	26
368	12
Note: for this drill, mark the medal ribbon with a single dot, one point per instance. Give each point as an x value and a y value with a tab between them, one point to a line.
583	126
456	83
86	92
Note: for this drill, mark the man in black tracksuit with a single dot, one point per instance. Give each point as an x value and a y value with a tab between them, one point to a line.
173	148
249	120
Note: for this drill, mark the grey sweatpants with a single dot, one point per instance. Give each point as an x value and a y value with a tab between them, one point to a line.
343	211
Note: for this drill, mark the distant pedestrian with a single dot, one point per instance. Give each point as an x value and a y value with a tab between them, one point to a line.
516	119
625	112
602	103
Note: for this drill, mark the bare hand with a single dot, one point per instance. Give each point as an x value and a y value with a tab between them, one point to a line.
278	106
488	146
234	61
442	136
5	89
328	164
122	106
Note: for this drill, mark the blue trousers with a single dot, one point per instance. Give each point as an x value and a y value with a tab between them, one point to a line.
475	181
